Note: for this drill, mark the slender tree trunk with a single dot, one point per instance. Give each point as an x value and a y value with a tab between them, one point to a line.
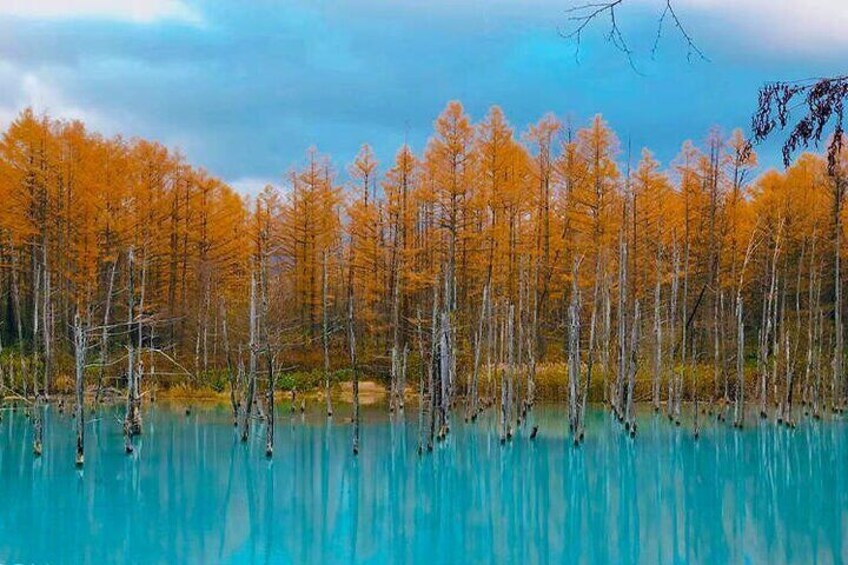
37	425
104	332
658	343
351	328
253	351
574	360
622	328
132	419
673	404
269	400
478	343
433	370
630	416
325	333
423	402
445	364
838	354
79	387
739	415
232	376
507	393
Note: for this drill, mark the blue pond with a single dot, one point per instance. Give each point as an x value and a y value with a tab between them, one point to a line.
193	493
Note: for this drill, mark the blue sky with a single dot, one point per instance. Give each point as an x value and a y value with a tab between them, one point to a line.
243	88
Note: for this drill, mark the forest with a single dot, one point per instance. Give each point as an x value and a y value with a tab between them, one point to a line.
492	270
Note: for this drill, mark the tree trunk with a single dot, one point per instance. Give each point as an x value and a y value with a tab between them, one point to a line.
574	356
253	347
478	343
630	415
104	332
325	334
351	328
269	400
739	416
79	388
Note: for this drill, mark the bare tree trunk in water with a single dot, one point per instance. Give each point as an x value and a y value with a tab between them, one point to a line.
395	393
768	326
253	346
47	330
272	375
592	350
422	400
325	334
445	358
232	375
658	343
478	343
36	323
533	341
104	333
725	397
618	398
818	352
37	425
673	405
433	370
838	359
606	334
739	416
351	328
684	347
269	400
132	419
630	416
507	394
574	355
79	387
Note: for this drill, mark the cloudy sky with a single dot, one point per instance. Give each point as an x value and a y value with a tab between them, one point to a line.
244	87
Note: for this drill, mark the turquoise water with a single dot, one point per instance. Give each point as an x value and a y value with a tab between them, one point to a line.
193	493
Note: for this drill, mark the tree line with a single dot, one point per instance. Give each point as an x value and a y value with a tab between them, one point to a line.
491	269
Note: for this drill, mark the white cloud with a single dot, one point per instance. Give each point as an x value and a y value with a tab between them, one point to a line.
250	186
22	89
784	25
136	11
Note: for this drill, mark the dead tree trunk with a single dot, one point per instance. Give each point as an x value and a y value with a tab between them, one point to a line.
132	419
422	398
37	425
445	365
478	343
819	334
673	404
433	370
396	394
325	333
79	387
104	332
574	356
658	343
269	354
269	400
351	328
739	415
47	329
618	398
506	393
838	359
630	415
253	351
232	375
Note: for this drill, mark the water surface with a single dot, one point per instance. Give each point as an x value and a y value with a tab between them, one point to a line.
193	493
